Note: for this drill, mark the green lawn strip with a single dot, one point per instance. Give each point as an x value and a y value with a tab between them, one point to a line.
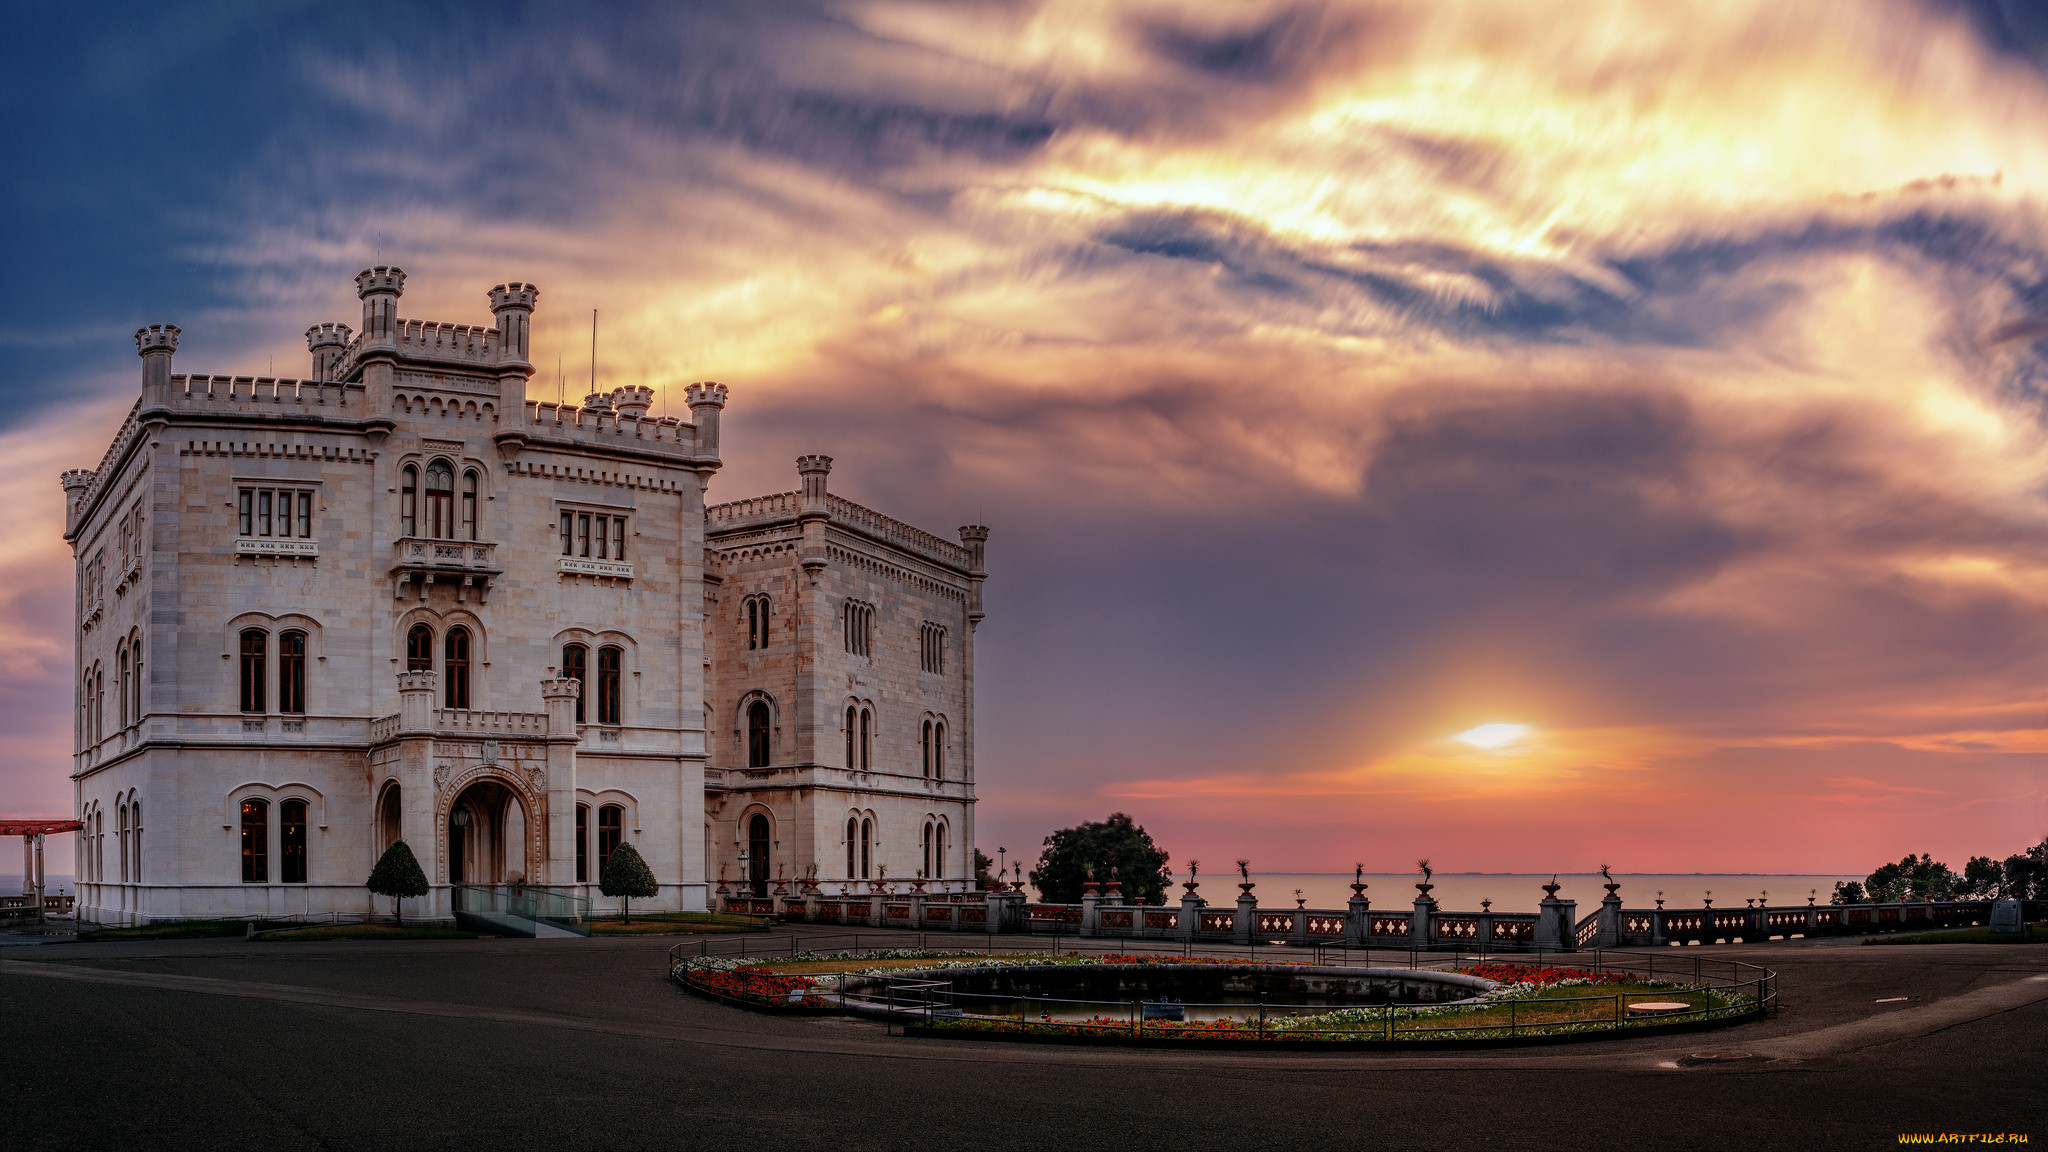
372	932
2032	935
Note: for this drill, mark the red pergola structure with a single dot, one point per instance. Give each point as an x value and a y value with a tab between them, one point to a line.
32	833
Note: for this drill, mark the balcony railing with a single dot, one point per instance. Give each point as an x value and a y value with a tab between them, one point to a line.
272	546
421	562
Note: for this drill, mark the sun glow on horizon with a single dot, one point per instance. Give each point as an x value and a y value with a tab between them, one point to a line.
1493	736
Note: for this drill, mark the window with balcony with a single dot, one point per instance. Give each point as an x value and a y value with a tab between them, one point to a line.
469	485
440	509
409	501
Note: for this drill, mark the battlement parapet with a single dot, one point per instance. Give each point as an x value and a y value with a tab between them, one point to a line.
265	394
468	344
754	511
514	295
602	427
384	278
156	338
75	478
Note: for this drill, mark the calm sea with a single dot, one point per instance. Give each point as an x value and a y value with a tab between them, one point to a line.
1520	891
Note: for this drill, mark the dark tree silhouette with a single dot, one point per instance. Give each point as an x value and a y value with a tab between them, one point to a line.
1115	847
626	875
397	875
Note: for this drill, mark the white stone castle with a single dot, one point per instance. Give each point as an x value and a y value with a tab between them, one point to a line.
403	600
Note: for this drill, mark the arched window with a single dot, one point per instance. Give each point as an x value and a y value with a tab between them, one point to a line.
608	661
455	667
121	836
867	739
419	649
254	643
757	854
583	843
255	842
99	845
409	502
939	750
135	683
291	672
757	734
575	666
938	851
469	504
857	621
924	742
852	847
135	836
121	680
611	828
440	500
99	702
867	843
291	841
926	871
852	760
753	623
390	821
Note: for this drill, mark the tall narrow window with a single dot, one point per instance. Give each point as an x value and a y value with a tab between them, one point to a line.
408	502
867	843
121	836
455	667
867	739
135	682
939	750
419	649
926	871
924	741
757	854
757	734
611	828
603	541
856	621
440	500
305	515
938	851
135	834
753	623
263	513
568	534
608	660
254	643
469	505
851	760
121	680
575	667
99	701
255	842
583	534
619	538
291	672
852	864
583	843
99	844
291	841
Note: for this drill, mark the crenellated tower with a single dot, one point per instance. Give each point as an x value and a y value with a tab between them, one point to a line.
327	342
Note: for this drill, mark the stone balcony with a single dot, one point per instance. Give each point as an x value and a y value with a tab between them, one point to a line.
418	563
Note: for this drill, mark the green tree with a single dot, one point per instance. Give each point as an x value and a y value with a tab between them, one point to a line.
983	878
1919	877
1115	847
626	875
1983	879
1848	892
397	875
2026	873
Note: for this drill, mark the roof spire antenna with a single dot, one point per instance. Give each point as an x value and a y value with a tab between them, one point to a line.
593	351
559	394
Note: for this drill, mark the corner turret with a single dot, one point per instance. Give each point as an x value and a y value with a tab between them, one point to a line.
975	537
327	342
75	481
512	304
632	401
155	344
380	288
706	399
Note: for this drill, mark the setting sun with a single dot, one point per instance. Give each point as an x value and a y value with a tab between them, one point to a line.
1492	736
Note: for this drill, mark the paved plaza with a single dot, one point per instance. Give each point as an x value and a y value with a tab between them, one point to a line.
511	1044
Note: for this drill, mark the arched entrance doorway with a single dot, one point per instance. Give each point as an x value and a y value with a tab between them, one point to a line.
487	836
757	855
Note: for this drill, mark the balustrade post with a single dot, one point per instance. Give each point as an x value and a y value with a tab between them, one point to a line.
1247	919
1422	922
1357	920
1090	917
1190	921
1610	922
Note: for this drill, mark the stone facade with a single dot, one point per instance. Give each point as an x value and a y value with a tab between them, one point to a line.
398	599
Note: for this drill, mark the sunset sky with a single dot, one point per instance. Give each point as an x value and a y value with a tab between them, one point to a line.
1335	378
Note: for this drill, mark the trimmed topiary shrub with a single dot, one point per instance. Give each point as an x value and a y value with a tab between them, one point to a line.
626	875
397	875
